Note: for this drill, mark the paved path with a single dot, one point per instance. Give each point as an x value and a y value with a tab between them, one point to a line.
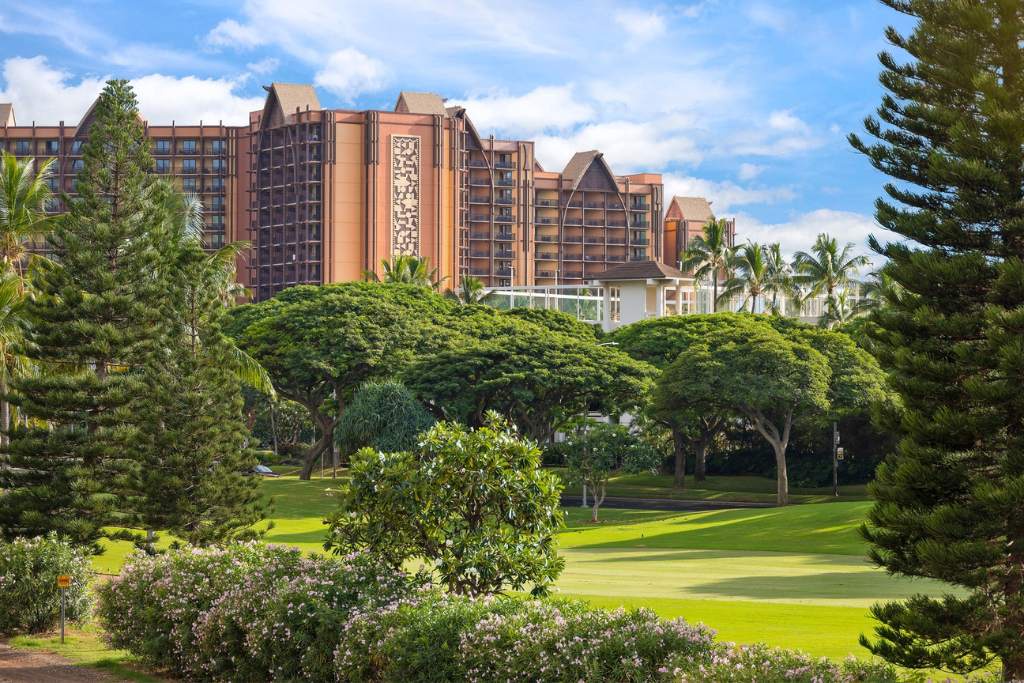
667	504
30	666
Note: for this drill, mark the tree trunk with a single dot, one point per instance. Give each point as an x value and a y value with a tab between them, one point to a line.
782	477
779	442
700	466
598	497
313	453
5	413
679	450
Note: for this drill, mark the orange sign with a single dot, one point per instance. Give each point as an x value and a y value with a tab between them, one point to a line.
63	581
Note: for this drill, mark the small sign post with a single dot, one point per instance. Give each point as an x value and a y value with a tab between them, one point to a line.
63	583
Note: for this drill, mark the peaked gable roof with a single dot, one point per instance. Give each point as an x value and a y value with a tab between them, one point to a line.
693	208
283	99
641	270
7	114
581	162
420	103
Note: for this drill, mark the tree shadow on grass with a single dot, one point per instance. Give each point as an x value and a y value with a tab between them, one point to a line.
825	585
631	556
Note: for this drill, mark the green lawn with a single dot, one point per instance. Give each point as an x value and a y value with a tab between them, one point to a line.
793	577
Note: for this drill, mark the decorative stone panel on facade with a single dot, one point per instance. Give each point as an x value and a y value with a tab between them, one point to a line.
405	195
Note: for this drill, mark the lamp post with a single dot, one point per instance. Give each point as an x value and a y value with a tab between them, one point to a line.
835	458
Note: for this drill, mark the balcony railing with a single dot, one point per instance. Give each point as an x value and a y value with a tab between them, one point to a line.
504	253
503	271
574	275
507	201
595	206
592	257
547	273
545	220
501	218
479	236
594	240
547	238
574	221
480	218
547	256
639	207
504	237
505	182
477	163
546	202
481	254
616	258
504	164
573	239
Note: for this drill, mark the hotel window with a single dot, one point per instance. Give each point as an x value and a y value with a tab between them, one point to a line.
219	165
52	146
189	184
163	165
218	184
77	165
217	222
187	147
216	240
188	165
76	147
52	183
162	147
217	204
218	147
22	147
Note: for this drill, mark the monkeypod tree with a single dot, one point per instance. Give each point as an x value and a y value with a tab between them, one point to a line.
597	451
756	373
659	341
536	377
475	504
320	343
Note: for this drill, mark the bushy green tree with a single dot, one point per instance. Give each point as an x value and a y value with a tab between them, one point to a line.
383	415
474	503
950	499
194	476
320	343
538	378
753	372
597	451
91	319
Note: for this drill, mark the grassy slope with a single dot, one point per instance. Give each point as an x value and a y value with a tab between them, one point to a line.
793	577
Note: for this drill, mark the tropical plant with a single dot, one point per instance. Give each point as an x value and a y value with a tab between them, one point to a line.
407	269
475	504
29	568
749	276
471	290
709	256
827	270
779	282
383	415
25	197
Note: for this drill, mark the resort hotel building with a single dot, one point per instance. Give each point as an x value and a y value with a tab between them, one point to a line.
323	195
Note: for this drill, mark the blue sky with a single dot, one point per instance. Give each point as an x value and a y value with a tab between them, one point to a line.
747	102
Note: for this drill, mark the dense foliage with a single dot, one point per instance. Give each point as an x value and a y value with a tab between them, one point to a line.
384	416
93	315
473	503
319	344
950	499
249	613
29	568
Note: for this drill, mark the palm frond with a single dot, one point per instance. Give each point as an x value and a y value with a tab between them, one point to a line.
251	373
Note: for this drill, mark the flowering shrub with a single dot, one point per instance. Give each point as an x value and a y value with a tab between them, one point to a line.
756	663
29	597
153	607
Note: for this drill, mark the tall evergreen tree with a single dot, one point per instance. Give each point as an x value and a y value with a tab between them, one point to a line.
91	318
194	463
950	500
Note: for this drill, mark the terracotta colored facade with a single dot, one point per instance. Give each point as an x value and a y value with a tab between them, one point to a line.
324	195
685	219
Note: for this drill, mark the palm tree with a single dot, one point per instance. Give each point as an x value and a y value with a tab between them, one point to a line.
407	269
24	197
780	280
471	290
708	255
750	275
827	270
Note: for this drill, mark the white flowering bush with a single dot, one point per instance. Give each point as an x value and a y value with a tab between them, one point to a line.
29	597
153	607
758	663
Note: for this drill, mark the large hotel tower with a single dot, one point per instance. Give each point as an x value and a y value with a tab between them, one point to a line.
326	194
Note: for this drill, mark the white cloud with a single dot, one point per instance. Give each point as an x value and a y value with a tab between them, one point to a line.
780	134
769	16
749	171
628	147
349	72
544	107
264	66
726	195
642	27
48	95
44	94
799	232
230	33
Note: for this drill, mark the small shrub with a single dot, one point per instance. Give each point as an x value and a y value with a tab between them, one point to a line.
151	609
756	663
29	597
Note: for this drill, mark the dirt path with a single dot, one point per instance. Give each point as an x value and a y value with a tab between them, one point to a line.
28	666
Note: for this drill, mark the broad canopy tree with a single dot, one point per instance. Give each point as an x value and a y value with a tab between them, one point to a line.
536	377
320	343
